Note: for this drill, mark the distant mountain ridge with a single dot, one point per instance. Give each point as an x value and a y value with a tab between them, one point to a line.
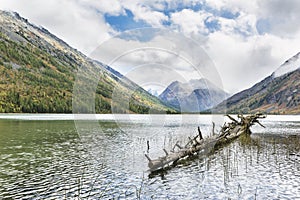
278	93
38	72
194	96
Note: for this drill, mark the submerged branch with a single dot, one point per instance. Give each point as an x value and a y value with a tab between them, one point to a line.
229	131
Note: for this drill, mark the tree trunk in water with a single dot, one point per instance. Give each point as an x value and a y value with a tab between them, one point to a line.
197	145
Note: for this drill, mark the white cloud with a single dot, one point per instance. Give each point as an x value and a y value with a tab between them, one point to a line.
233	5
283	17
244	25
111	7
173	52
190	22
144	12
243	62
126	54
154	18
234	58
79	26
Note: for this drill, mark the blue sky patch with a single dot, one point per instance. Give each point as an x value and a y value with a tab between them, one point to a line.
229	15
263	26
124	22
212	25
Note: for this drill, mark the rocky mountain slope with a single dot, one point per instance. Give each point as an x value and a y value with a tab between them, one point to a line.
38	71
278	93
193	96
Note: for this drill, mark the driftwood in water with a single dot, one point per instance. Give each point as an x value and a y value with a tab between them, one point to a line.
198	144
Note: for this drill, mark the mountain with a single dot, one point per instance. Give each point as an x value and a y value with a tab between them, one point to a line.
193	96
278	93
38	73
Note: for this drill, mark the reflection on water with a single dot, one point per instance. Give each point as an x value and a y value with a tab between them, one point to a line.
48	159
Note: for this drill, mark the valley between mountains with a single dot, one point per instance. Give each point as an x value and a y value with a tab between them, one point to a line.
38	71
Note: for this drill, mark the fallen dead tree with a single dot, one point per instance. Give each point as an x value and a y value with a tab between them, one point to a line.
199	145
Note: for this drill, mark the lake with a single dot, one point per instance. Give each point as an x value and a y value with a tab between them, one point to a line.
51	156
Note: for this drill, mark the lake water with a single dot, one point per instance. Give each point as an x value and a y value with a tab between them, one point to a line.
102	157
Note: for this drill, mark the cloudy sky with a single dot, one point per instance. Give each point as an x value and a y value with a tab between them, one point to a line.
155	41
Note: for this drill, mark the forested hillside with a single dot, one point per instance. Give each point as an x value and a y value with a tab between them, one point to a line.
38	70
278	93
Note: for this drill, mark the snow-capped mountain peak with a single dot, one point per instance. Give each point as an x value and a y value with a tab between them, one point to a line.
288	66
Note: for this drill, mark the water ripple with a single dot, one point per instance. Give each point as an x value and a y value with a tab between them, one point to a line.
47	160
